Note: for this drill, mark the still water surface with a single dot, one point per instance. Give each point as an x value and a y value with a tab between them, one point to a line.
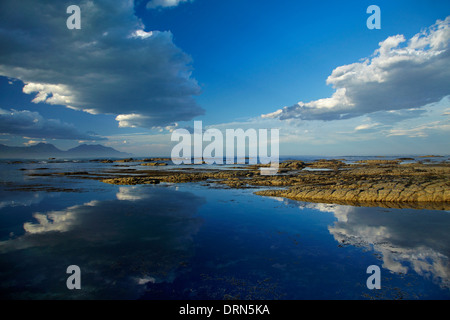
197	241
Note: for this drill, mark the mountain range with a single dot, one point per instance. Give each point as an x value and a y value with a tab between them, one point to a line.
47	150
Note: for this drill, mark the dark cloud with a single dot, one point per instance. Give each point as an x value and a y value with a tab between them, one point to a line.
33	125
110	66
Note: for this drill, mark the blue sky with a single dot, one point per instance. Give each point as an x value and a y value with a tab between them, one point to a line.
231	64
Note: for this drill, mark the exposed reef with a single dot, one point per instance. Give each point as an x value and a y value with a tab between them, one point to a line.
386	183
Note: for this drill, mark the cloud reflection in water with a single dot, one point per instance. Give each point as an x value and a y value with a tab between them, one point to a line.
143	236
407	239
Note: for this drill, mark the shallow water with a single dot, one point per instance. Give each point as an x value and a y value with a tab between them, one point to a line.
194	241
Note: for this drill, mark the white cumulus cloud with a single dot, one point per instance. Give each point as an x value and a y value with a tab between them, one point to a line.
399	75
152	4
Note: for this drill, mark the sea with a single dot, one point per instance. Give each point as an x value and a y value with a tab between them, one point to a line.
204	241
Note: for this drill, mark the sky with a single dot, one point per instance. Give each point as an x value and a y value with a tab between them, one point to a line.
137	70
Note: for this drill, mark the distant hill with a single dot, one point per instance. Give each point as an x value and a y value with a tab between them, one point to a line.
47	150
94	150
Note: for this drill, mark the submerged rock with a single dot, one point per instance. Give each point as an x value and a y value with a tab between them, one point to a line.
154	164
131	181
368	182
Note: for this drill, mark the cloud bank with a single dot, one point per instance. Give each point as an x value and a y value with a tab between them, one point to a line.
399	75
33	125
110	66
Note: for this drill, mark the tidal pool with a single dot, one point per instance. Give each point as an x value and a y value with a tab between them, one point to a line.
198	241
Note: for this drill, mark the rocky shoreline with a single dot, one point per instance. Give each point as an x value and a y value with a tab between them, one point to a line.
376	183
384	183
387	183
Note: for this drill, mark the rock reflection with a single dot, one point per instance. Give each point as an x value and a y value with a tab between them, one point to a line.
144	236
407	240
